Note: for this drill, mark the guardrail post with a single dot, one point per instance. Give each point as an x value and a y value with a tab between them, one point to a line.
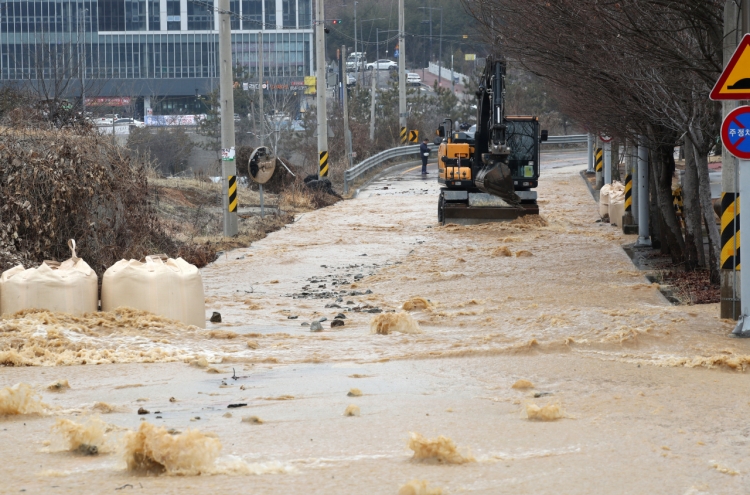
608	163
590	153
643	233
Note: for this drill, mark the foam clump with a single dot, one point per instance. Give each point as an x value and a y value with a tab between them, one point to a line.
387	323
87	438
416	303
501	251
524	254
58	386
255	420
419	487
355	392
549	412
20	399
352	410
522	384
222	334
440	450
531	221
153	449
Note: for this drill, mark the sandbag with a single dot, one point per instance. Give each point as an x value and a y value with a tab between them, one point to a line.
616	211
604	200
168	287
67	287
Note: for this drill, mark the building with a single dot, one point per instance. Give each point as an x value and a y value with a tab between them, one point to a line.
149	57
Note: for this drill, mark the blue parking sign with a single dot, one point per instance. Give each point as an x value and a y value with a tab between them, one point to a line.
735	132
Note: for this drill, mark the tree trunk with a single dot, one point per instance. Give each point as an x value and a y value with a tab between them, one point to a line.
615	157
654	221
704	188
663	167
694	252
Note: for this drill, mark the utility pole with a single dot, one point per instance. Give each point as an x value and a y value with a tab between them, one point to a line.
226	102
644	239
355	27
262	114
401	67
347	132
730	297
373	77
440	51
82	63
320	62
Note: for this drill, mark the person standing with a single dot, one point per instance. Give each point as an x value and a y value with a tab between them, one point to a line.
424	152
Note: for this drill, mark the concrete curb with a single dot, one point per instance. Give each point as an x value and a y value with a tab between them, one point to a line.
594	192
387	171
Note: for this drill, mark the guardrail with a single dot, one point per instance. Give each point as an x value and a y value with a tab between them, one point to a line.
375	160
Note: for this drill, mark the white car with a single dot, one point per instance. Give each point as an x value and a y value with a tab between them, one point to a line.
350	80
107	119
383	64
413	79
126	121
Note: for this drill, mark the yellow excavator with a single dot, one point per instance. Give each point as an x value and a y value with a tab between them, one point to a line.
489	170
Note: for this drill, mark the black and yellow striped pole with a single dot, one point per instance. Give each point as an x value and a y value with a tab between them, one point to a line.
730	250
323	170
599	167
232	192
403	135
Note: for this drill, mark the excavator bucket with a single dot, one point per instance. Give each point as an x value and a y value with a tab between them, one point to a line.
496	179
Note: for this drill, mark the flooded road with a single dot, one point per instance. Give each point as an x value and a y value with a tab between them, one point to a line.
639	386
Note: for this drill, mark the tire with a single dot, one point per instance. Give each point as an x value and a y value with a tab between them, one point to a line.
441	209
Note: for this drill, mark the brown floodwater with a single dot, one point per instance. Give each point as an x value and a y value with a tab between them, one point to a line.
620	391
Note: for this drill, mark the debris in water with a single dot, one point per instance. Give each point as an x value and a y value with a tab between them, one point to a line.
439	450
337	323
358	375
142	411
522	384
213	370
280	397
153	449
172	399
501	251
216	317
416	303
58	386
232	406
20	399
723	469
523	254
255	420
386	323
87	438
227	415
199	363
549	412
355	392
105	408
352	410
419	487
222	334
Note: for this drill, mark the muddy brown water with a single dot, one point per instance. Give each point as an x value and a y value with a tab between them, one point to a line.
651	395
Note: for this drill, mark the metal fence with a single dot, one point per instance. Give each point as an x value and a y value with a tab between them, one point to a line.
413	151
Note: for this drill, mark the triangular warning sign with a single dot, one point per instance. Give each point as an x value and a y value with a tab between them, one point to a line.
734	82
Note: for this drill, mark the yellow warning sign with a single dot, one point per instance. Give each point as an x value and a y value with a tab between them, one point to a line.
734	82
413	136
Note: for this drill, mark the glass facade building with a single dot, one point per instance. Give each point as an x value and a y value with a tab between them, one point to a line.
151	48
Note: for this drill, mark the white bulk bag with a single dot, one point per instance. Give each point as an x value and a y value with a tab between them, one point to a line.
604	200
171	288
67	287
616	211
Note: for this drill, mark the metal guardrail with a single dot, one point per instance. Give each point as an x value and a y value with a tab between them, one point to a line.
375	160
402	151
575	138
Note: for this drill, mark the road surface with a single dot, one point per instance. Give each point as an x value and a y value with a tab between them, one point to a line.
651	395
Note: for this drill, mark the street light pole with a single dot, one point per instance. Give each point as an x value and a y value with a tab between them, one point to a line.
401	68
320	61
355	27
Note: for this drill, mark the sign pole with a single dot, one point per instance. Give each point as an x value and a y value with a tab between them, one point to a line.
743	324
226	103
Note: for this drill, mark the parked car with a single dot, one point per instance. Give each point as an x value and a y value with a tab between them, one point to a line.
412	78
350	80
133	122
107	119
383	64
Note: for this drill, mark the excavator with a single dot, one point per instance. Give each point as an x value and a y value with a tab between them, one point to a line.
488	172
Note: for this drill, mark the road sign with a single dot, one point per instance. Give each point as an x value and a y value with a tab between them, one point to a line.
734	82
735	132
413	136
605	139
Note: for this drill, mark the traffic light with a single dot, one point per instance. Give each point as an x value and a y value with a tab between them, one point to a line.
336	22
